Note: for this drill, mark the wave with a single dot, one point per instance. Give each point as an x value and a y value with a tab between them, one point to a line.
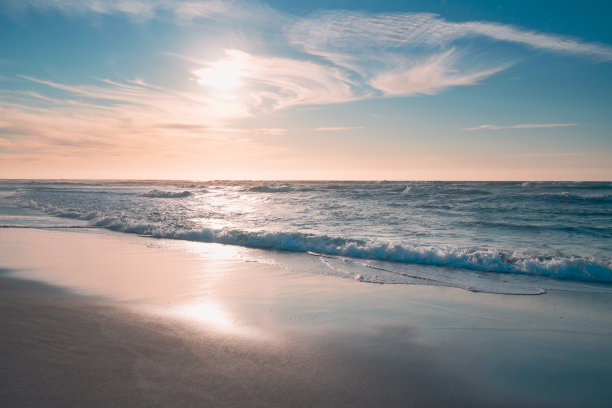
420	188
559	267
433	189
589	230
577	268
271	189
566	197
166	194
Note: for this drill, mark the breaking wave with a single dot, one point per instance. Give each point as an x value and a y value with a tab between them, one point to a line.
570	268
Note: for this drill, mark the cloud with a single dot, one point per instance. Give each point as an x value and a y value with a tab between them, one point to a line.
154	103
263	84
271	131
327	32
140	10
340	28
336	128
114	117
431	76
539	155
47	117
405	54
271	83
5	143
348	31
340	56
547	42
521	126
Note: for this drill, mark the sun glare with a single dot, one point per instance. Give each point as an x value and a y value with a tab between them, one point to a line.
223	75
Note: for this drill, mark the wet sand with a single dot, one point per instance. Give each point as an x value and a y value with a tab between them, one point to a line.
210	329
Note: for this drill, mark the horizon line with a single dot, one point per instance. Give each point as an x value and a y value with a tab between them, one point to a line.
311	180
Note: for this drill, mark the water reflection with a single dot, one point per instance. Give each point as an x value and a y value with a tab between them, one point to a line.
208	287
208	312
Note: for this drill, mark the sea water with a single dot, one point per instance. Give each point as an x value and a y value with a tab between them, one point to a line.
502	237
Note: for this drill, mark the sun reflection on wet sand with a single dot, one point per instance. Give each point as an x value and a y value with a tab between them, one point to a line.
207	286
211	315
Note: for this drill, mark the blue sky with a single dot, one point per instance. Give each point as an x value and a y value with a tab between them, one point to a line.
305	90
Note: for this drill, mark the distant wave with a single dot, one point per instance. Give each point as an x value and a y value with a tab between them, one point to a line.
591	230
578	198
571	268
420	189
271	189
167	194
434	189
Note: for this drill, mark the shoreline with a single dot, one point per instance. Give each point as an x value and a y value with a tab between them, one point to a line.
213	329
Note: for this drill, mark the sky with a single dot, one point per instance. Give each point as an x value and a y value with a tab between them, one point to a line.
360	90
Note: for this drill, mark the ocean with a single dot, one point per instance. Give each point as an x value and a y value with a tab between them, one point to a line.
498	237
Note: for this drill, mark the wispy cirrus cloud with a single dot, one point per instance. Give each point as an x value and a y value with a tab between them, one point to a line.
340	56
325	30
341	30
140	101
429	77
390	54
404	54
533	39
114	117
53	117
521	126
270	83
541	155
136	9
271	131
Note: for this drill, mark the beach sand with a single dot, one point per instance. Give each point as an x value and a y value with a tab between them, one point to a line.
102	319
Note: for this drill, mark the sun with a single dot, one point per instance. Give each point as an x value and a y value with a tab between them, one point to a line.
223	75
